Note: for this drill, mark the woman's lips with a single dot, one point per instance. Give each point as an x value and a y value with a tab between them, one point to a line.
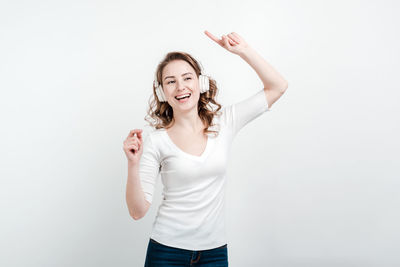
183	100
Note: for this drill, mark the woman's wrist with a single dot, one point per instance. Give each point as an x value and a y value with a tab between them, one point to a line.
133	165
246	53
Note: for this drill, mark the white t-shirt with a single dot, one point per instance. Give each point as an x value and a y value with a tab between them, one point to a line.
192	213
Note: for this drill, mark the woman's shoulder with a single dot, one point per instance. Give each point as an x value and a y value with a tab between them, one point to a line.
152	133
225	114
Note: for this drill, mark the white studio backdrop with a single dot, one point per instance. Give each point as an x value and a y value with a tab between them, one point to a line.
313	182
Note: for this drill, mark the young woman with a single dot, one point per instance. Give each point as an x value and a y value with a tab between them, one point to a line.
190	149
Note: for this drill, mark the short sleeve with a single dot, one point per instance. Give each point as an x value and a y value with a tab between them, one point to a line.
149	168
247	110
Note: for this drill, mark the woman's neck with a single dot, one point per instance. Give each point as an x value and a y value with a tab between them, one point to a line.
188	122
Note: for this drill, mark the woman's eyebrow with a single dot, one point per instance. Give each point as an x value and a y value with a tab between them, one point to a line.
181	75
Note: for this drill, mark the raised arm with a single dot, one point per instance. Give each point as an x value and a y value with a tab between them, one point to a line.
274	84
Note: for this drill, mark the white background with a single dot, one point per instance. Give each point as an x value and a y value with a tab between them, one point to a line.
313	182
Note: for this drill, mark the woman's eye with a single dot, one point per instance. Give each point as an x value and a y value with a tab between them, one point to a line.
174	81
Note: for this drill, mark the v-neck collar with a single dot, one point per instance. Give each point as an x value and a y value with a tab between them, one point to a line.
202	157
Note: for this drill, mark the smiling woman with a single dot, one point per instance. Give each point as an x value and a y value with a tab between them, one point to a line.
177	75
190	223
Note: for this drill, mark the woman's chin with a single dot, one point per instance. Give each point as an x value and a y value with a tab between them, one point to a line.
185	106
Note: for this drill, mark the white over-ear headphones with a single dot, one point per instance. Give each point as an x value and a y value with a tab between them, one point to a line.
204	83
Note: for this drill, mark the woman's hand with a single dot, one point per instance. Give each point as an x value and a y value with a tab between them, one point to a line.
232	42
133	146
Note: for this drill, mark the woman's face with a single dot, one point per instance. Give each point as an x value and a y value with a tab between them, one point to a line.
179	79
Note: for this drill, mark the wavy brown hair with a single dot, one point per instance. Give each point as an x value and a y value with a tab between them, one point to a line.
160	114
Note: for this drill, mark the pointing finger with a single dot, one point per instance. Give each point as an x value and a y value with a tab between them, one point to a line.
212	37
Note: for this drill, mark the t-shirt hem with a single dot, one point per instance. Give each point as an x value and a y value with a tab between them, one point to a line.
188	247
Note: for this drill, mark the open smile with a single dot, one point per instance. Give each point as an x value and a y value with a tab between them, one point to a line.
183	98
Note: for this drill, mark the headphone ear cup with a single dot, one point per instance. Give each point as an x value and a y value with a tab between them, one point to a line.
204	83
207	83
160	94
159	91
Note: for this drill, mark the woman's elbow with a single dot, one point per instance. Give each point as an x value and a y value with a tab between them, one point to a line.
136	216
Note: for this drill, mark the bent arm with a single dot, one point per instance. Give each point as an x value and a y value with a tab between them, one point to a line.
274	84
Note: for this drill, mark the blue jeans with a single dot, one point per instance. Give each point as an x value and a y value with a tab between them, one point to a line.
159	255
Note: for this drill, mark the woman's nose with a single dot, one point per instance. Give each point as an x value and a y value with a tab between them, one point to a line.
180	85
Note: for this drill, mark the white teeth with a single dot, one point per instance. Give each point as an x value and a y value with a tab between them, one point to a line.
182	96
